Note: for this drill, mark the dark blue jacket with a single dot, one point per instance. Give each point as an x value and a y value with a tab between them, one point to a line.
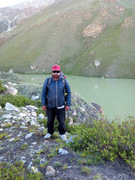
53	94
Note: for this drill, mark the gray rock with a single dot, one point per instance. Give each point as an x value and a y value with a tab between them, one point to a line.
33	114
42	161
10	140
35	98
41	116
22	114
11	107
34	169
7	116
33	123
74	113
50	171
70	139
28	135
23	127
30	165
30	107
62	151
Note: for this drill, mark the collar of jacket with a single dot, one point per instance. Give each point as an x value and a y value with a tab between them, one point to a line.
55	79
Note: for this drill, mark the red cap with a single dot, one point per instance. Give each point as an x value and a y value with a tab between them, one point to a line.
56	68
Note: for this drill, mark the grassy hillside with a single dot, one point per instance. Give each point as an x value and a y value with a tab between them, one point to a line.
55	35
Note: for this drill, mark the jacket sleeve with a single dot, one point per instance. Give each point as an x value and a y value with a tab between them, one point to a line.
44	93
68	90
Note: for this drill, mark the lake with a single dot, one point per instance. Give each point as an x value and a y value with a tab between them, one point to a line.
115	96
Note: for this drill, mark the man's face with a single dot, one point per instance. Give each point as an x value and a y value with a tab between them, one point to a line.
56	74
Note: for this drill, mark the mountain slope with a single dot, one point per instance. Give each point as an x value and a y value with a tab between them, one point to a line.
86	37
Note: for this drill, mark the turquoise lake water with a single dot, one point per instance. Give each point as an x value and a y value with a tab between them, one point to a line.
116	96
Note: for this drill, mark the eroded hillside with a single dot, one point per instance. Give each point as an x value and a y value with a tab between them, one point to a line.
86	37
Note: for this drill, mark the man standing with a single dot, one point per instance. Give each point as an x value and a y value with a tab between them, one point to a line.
56	99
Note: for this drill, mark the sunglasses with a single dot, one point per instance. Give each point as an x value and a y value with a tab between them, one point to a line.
56	72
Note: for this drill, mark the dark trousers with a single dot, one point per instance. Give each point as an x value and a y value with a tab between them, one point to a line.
60	114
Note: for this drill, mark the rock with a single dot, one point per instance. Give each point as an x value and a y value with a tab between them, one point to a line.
34	169
11	107
74	113
71	121
70	139
27	119
22	115
35	98
10	71
23	127
34	143
82	109
41	116
97	63
10	140
33	114
30	107
12	90
62	151
128	22
50	171
33	123
1	158
28	135
7	116
42	161
30	165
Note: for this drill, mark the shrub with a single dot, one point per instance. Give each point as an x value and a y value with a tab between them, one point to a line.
17	100
57	164
24	146
107	140
86	169
17	172
3	135
2	88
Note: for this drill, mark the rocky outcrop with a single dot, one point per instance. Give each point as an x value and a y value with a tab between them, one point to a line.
93	30
4	25
128	22
79	110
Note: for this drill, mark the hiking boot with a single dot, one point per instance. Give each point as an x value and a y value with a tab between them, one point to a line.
63	137
47	136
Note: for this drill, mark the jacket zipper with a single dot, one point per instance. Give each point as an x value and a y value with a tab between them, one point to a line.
56	96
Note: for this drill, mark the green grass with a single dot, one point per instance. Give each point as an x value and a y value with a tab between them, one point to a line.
54	36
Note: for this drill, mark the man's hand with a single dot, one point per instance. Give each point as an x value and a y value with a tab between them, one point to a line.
66	108
44	108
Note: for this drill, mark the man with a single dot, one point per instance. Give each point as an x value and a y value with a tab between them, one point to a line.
54	101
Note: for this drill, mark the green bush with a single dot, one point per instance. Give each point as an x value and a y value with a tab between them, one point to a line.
17	172
2	88
107	140
17	100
